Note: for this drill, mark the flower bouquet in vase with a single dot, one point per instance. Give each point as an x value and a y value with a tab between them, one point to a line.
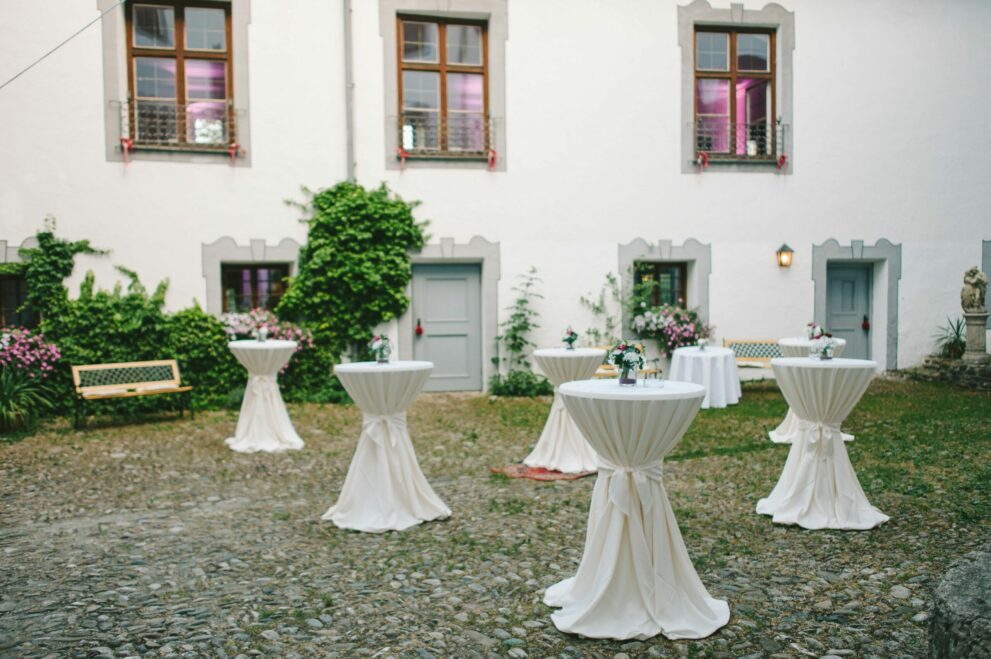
703	343
261	332
569	338
628	358
381	348
823	346
813	331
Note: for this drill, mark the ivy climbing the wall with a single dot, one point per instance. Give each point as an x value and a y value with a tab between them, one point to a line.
354	268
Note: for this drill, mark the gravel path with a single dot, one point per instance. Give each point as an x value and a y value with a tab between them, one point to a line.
154	539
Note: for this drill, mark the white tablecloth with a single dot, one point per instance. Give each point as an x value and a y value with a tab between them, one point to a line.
818	487
713	368
384	489
635	579
561	446
799	346
263	424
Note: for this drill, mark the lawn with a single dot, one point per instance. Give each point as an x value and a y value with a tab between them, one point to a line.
153	537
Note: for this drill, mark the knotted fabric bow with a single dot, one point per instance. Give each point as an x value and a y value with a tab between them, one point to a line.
624	481
379	426
819	431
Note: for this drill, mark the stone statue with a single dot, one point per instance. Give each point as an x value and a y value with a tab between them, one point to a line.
975	286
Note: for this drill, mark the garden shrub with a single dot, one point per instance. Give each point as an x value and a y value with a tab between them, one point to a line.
354	267
520	383
198	341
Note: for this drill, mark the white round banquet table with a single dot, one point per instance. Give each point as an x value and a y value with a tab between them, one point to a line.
263	424
713	368
384	489
635	578
799	346
561	446
818	488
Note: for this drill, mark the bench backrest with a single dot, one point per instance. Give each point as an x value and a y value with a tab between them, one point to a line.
759	352
96	378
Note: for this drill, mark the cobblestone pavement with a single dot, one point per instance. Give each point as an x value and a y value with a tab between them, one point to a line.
153	538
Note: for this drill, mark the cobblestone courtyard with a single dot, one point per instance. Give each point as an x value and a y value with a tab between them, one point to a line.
154	538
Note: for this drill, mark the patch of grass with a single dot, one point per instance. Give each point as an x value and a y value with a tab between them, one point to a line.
508	506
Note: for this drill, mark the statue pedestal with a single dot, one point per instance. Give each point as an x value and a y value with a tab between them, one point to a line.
976	336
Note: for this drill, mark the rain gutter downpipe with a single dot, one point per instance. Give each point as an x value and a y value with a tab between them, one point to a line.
349	91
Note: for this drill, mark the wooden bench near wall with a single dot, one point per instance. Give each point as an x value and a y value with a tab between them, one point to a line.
753	352
126	380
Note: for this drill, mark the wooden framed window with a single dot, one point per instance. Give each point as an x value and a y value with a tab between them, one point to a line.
255	286
179	75
734	89
668	282
13	294
443	87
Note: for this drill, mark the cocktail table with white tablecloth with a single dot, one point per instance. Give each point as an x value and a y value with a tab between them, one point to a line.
561	446
818	487
713	368
263	424
799	346
384	489
635	578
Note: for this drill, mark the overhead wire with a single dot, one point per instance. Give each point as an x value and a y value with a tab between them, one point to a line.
73	36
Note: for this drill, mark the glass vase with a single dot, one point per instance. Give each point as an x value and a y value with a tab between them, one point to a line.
628	376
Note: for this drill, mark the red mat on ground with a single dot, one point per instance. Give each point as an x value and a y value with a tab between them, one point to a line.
537	473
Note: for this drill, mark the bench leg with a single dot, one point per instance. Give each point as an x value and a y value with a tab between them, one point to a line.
189	401
80	421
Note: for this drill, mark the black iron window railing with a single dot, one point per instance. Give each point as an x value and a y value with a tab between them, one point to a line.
198	126
722	140
428	135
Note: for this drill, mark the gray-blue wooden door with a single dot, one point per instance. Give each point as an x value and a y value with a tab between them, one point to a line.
447	302
848	303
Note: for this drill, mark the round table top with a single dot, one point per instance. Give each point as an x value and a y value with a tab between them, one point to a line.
390	367
254	344
814	362
693	351
564	352
612	390
805	342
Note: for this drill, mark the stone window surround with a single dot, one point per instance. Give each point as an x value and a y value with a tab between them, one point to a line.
697	255
496	14
986	265
773	15
887	260
445	252
11	253
225	250
115	88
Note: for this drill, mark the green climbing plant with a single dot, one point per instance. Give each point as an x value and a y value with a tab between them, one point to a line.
607	308
515	338
354	268
46	266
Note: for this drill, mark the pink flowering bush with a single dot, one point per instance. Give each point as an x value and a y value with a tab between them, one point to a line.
26	362
672	327
28	352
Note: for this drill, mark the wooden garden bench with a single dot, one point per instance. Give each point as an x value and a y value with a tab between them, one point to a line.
753	352
126	380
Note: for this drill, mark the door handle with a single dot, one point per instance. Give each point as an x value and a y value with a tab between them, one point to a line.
866	325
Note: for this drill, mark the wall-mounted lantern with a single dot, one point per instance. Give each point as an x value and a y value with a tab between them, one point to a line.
784	254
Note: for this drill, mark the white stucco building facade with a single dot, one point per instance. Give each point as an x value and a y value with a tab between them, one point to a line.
591	163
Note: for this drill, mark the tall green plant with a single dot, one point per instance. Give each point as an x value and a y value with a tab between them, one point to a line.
521	321
355	267
22	398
